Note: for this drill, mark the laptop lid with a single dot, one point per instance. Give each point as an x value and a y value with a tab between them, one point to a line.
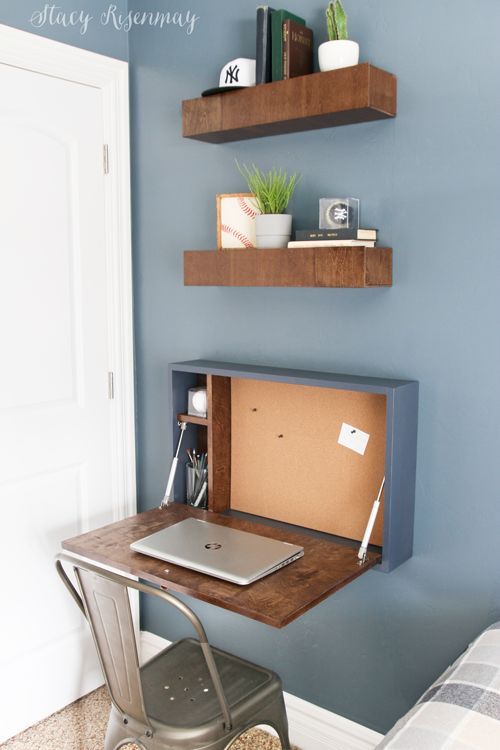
220	551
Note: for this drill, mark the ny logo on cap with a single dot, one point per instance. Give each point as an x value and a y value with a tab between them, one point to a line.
232	74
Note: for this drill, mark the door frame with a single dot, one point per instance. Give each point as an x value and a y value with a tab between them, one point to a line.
42	55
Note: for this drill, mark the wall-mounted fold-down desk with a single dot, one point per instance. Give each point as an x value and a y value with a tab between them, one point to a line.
275	600
276	468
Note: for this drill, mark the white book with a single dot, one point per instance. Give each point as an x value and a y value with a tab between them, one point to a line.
332	243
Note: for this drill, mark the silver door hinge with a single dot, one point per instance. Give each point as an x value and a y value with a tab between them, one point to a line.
111	385
105	158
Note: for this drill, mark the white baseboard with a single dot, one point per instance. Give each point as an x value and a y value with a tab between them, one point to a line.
150	645
311	727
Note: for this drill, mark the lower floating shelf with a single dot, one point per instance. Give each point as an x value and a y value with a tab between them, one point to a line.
348	267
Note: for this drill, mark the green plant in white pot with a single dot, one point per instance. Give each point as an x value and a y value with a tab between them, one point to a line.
273	191
339	51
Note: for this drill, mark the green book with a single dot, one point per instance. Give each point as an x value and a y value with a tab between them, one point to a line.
277	20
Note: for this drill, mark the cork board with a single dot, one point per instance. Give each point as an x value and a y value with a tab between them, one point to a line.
286	462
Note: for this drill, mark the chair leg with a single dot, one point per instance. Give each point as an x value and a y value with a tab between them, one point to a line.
114	732
279	720
284	738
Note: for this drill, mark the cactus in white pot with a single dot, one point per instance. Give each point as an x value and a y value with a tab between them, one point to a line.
339	51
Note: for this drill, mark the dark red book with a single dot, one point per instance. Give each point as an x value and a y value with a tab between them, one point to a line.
297	49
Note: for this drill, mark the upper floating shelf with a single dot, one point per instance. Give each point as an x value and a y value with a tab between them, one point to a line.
320	100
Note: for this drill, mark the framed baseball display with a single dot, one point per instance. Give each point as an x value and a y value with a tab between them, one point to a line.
339	213
236	214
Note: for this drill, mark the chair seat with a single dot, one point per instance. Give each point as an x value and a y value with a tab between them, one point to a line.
190	696
178	691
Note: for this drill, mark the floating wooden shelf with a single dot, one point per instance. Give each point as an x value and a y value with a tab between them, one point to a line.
320	100
203	421
299	266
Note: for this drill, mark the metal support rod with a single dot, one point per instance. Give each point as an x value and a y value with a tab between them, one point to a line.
168	497
369	526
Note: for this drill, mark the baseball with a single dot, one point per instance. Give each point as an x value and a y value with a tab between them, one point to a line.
199	401
237	221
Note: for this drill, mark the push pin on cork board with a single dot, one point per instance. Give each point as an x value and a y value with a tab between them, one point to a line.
353	438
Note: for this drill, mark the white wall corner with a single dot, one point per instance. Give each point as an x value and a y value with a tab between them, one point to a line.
311	727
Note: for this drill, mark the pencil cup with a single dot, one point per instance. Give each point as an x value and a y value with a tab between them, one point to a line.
196	487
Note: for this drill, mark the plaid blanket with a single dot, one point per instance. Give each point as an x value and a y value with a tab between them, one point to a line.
461	711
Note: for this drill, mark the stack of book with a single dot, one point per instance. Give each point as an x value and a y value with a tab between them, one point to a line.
284	45
334	238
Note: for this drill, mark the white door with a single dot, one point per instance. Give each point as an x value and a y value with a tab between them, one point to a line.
57	434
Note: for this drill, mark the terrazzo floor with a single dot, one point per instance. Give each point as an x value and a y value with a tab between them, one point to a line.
82	725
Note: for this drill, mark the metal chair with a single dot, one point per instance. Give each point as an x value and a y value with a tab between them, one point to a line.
190	696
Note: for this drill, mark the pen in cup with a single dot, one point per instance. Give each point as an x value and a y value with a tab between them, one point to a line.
196	478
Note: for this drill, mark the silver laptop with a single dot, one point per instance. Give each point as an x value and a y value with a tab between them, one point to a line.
219	551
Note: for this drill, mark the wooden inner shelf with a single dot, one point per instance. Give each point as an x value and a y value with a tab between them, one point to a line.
339	97
351	267
190	419
213	436
219	442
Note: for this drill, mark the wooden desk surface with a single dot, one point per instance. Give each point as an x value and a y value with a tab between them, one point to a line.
275	600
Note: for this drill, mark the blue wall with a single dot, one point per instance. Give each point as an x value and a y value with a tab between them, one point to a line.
429	181
97	37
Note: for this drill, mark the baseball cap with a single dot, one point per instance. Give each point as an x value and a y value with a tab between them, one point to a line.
236	74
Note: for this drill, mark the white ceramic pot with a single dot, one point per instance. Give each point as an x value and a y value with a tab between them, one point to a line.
338	53
273	230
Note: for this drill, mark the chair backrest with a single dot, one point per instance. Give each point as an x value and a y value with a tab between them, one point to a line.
108	612
107	608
